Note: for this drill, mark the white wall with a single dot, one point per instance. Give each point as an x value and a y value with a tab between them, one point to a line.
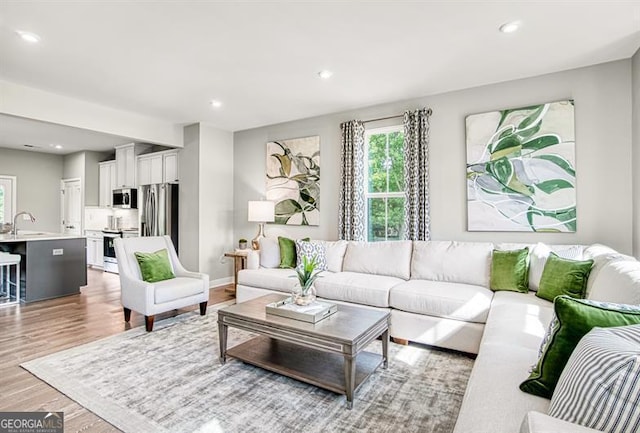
216	201
38	186
635	121
603	153
206	201
189	205
92	176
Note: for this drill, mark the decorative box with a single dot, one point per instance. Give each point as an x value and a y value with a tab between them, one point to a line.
311	313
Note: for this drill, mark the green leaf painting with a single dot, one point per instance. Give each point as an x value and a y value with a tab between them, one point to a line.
293	180
521	169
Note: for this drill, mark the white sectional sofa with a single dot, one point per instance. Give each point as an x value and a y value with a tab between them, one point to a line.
438	294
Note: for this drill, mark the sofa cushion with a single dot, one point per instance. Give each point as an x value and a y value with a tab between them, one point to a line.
456	262
539	255
155	266
573	319
564	277
492	403
356	287
441	299
176	288
510	270
311	250
288	255
536	422
335	251
518	319
392	258
600	386
616	280
281	280
269	252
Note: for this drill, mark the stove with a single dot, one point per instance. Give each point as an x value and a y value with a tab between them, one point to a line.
110	260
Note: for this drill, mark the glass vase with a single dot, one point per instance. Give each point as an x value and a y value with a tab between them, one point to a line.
303	297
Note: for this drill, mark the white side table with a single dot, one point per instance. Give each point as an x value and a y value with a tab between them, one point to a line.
10	289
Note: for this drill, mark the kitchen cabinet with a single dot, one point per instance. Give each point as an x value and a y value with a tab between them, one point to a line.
95	248
126	166
158	167
170	167
150	169
44	275
107	182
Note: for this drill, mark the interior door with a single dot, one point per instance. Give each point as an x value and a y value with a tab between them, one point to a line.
71	207
7	198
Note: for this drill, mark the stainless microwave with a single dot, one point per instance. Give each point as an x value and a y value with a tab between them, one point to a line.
126	198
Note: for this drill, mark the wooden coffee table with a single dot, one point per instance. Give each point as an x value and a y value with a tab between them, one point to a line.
328	354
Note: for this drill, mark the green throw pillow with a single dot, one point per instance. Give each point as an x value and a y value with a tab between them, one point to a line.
510	270
155	267
574	318
288	252
564	277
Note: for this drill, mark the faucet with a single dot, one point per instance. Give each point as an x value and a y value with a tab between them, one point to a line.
14	230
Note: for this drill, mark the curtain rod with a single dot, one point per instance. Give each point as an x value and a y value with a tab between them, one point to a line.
429	112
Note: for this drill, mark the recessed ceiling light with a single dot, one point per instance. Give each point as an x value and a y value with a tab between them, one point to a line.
32	38
325	74
510	27
215	103
56	146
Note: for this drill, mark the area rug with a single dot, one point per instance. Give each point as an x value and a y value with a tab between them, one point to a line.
170	380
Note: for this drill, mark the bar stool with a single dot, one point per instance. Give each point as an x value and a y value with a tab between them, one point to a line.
6	262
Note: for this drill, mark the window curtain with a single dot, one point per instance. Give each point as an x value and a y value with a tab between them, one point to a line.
416	175
351	209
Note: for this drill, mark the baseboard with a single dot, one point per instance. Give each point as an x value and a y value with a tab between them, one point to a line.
220	282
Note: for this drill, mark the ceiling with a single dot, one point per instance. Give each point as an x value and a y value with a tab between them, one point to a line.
169	59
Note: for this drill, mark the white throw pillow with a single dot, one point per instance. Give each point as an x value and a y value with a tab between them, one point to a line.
311	249
269	252
599	387
538	258
335	254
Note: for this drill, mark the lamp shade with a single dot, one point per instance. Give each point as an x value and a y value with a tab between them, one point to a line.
261	211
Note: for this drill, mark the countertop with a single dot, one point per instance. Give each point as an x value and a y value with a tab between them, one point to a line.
30	235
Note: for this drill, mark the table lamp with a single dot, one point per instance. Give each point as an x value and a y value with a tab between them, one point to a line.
260	212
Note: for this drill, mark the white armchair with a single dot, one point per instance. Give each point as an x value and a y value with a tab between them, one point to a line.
188	288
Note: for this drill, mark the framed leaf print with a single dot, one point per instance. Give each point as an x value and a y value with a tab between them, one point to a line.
293	180
521	169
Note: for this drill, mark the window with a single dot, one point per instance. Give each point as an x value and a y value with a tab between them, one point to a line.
7	198
384	183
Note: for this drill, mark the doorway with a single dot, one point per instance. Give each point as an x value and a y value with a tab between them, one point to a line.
71	205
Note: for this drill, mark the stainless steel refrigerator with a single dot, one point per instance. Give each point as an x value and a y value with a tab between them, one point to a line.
158	209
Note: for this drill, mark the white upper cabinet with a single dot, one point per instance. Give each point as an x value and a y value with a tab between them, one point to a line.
126	164
158	167
107	182
149	169
170	167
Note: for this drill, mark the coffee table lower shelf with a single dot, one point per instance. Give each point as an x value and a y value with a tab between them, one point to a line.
322	369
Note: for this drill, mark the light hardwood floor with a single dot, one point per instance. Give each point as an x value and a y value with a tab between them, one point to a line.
41	328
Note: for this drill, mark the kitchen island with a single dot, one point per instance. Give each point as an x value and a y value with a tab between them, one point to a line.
52	265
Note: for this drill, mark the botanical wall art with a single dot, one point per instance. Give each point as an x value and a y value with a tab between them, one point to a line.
521	169
293	180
